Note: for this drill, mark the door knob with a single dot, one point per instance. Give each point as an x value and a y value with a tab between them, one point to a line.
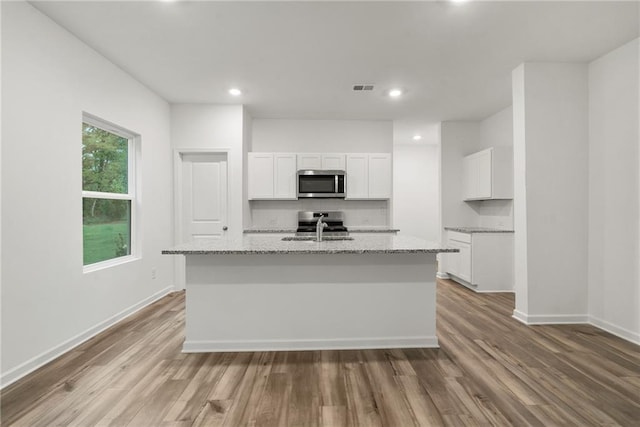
225	228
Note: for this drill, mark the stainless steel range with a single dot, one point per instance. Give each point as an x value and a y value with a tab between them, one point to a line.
334	219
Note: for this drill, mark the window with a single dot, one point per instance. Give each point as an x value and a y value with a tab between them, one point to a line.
108	193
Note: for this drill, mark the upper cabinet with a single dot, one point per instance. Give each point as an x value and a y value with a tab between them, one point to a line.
272	176
488	174
324	161
333	162
368	176
309	161
284	176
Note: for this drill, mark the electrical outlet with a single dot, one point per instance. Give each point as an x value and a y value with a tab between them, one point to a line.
153	273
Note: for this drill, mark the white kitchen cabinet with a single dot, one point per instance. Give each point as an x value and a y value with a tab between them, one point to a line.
488	174
271	176
260	176
357	176
321	161
309	161
368	176
333	162
284	176
484	263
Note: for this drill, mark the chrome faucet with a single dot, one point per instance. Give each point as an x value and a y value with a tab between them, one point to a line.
320	225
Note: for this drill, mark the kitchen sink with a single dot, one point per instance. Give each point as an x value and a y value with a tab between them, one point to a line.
312	239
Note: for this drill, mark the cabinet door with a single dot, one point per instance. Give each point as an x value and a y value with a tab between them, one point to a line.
333	162
357	176
484	171
309	161
260	175
453	259
380	176
464	261
284	176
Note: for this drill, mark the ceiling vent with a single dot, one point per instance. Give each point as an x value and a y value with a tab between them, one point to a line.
359	88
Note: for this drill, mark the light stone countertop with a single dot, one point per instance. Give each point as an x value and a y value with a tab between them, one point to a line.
478	230
269	230
373	230
293	230
380	243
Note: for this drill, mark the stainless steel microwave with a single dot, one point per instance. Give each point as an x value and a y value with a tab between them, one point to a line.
321	184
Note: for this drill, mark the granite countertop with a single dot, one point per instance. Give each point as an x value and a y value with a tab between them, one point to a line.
293	230
269	230
373	230
266	244
478	230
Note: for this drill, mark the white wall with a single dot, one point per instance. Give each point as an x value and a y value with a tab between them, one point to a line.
247	136
48	79
550	103
521	274
416	190
202	126
614	281
320	136
497	130
457	139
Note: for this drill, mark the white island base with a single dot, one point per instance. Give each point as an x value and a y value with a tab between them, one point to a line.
263	302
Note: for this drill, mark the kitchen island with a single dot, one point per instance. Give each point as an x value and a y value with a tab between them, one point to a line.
260	293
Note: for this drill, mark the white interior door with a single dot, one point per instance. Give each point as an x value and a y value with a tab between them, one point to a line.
204	196
202	200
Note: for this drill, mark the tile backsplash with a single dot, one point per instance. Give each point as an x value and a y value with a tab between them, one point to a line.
283	214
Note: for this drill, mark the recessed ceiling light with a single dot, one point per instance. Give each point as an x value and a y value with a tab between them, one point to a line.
417	137
235	91
394	93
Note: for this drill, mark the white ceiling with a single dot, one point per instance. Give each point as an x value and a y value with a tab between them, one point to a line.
301	59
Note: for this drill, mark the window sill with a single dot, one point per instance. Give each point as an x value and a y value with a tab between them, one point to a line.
109	263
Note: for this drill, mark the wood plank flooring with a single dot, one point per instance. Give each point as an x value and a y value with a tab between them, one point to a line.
490	370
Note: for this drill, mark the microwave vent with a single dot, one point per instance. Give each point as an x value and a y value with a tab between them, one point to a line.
362	87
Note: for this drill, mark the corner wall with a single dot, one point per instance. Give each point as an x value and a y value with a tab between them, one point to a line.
457	139
49	78
550	102
614	188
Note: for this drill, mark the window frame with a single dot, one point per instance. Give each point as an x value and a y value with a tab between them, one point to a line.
132	194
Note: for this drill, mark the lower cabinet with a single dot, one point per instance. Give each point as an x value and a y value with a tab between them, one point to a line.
484	263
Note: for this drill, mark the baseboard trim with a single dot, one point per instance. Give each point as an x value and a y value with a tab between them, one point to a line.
544	319
623	333
42	359
494	291
440	275
296	345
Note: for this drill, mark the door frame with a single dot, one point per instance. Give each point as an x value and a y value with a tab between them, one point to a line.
178	153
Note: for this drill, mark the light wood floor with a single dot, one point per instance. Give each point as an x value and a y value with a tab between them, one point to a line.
490	370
